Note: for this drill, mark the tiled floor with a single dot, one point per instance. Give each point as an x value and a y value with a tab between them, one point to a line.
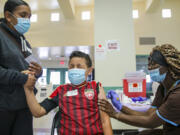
41	133
42	126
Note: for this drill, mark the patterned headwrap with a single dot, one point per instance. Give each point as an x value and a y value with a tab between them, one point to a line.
168	56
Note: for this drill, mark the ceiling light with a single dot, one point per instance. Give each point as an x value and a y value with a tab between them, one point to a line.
135	14
55	17
86	15
34	5
84	49
43	52
69	50
34	18
166	13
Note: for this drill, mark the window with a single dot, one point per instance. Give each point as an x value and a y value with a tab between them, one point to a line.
42	80
142	65
34	18
55	17
66	78
135	14
55	78
148	79
86	15
43	52
166	13
44	72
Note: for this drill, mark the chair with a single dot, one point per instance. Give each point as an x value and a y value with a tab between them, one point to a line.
130	133
56	122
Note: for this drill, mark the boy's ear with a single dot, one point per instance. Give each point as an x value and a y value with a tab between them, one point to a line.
90	70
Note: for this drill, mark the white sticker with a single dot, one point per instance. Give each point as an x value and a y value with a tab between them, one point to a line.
31	58
135	87
72	93
113	45
100	52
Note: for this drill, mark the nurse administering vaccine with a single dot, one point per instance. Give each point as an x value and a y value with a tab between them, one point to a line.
164	68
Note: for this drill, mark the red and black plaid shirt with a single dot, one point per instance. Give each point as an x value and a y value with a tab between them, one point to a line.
80	114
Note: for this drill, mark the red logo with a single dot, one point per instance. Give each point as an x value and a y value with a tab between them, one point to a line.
89	93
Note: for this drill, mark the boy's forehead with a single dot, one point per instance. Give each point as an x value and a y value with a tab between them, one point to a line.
78	60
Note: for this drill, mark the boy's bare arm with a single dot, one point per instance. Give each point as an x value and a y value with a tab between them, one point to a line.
36	109
105	119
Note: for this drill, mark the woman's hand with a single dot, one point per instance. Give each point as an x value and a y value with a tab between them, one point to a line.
34	67
30	83
28	72
105	106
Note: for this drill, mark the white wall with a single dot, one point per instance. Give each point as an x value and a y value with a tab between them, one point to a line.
151	24
113	21
64	33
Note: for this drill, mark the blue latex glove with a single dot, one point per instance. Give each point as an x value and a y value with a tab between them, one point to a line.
114	99
135	99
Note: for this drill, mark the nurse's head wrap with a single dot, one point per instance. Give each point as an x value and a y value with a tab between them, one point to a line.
168	56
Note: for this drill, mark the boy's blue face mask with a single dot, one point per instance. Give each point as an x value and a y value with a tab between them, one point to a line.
23	25
156	76
76	76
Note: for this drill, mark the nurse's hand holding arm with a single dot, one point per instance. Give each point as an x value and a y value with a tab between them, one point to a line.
149	121
118	105
105	106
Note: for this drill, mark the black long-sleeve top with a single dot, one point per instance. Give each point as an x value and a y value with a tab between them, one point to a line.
12	62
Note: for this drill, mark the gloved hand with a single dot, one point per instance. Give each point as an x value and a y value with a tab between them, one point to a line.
114	99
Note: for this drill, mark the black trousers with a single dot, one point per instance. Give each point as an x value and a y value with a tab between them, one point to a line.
16	122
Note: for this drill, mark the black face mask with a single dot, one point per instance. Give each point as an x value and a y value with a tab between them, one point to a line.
158	58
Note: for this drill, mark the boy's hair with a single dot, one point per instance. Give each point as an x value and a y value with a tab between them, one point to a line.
81	55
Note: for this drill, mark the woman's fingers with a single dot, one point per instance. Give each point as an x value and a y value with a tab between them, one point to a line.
103	109
27	72
36	64
35	68
104	105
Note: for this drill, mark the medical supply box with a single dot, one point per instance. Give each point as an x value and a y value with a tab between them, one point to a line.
134	84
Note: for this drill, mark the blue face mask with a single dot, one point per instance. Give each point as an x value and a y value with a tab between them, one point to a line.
156	76
76	76
23	25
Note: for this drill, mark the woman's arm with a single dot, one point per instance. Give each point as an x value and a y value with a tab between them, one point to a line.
147	121
12	77
105	119
119	106
129	111
150	121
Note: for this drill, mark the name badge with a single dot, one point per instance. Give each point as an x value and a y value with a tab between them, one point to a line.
72	93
